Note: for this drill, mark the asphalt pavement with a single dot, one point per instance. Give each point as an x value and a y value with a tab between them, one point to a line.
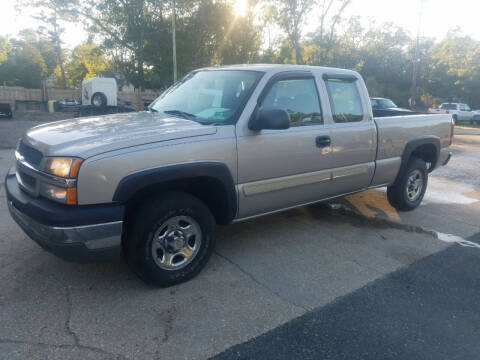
350	279
428	310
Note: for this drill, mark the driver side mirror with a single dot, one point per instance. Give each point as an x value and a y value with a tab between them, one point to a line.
269	119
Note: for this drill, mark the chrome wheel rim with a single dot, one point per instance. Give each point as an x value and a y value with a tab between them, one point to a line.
414	185
176	242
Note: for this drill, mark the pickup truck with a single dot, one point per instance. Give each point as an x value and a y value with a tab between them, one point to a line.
222	145
460	112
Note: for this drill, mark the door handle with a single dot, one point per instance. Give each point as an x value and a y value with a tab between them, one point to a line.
322	141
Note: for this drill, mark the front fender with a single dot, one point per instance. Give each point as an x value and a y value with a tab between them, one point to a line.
133	183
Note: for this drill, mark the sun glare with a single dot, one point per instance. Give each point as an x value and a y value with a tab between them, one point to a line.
240	7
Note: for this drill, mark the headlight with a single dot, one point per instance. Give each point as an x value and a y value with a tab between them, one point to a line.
65	167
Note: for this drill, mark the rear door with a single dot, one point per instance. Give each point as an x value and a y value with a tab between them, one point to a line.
352	133
282	168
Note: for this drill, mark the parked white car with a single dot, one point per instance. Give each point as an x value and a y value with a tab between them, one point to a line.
459	111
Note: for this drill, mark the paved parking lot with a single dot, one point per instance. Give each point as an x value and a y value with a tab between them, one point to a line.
320	274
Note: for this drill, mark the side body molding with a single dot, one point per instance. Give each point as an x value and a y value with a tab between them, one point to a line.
412	145
219	172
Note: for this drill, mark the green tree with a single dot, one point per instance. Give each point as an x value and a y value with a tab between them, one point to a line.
86	61
290	16
24	65
120	23
4	48
455	69
49	13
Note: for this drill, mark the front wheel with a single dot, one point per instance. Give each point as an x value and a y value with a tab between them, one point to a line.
171	239
410	189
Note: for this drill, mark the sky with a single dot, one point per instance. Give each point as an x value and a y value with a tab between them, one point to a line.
438	16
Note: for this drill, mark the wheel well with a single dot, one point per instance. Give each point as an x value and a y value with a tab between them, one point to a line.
208	189
428	153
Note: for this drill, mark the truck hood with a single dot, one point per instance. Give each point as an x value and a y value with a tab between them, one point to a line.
85	137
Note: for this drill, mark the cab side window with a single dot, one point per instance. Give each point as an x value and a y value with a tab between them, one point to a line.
298	97
344	100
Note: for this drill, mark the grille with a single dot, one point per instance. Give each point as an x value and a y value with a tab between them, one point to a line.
31	155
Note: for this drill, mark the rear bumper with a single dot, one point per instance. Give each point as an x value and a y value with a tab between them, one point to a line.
68	232
444	157
449	155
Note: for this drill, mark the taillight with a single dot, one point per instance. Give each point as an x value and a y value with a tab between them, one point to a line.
452	131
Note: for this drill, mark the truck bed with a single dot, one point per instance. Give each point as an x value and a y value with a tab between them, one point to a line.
394	133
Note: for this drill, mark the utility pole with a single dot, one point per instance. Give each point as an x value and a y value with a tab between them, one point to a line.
174	42
413	93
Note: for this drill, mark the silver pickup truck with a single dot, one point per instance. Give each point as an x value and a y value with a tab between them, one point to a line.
222	145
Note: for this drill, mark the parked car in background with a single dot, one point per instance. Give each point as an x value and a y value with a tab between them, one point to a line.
224	144
5	111
68	102
386	107
67	105
460	112
476	117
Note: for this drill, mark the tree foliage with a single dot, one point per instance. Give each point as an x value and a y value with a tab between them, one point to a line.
134	37
86	61
25	62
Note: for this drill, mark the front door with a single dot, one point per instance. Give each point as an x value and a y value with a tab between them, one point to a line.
282	168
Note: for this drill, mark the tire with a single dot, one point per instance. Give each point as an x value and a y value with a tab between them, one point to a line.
403	196
99	100
171	239
455	119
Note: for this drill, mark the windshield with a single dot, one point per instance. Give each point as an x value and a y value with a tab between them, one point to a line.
383	104
447	106
208	97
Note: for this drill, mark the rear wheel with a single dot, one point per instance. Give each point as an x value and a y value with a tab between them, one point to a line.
99	100
171	239
408	193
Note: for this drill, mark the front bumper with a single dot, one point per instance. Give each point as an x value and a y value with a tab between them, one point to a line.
73	233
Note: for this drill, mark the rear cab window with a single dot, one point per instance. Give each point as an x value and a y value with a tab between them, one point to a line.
345	100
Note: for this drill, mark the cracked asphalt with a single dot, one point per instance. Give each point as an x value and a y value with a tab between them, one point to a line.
269	280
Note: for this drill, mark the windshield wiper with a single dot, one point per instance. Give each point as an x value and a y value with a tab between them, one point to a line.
153	110
182	114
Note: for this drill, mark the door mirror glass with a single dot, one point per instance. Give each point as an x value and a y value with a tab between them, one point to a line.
270	119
